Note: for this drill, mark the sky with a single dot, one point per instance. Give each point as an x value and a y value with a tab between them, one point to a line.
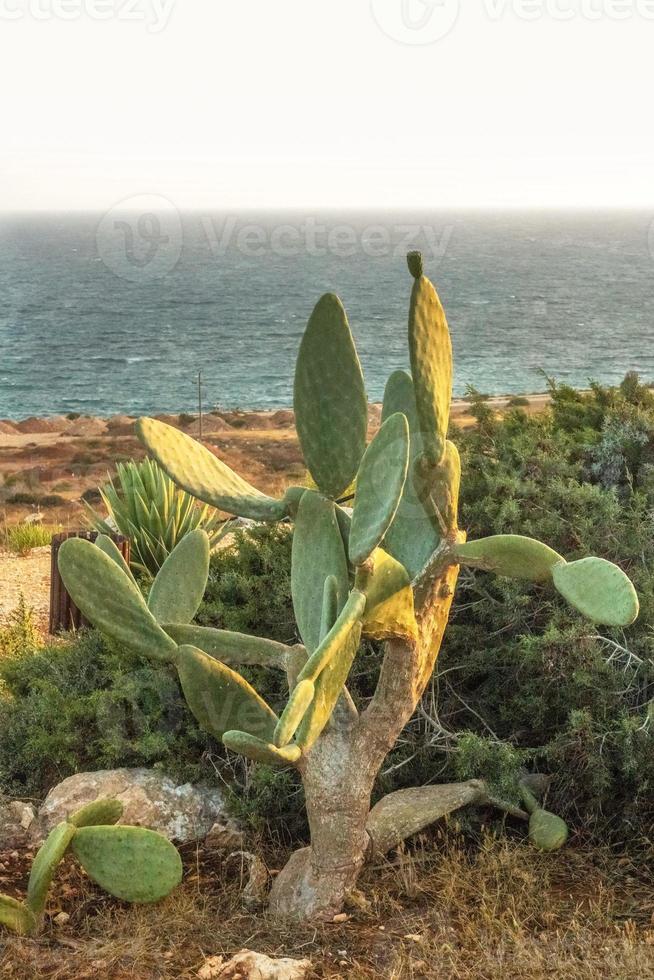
239	104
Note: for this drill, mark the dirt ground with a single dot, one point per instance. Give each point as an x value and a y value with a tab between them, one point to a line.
29	576
495	911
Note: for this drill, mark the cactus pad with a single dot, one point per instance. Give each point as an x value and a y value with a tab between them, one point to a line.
195	469
108	599
547	832
231	648
108	811
598	589
111	549
178	589
430	349
412	537
16	916
131	863
261	751
328	688
511	555
220	698
45	864
300	699
331	412
336	638
380	483
318	552
389	600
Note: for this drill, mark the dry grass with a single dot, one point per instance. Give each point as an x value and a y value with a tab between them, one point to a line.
500	911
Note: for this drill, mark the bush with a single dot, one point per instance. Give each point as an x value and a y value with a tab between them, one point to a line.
83	705
21	538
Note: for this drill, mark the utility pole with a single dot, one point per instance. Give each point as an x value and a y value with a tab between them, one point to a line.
200	402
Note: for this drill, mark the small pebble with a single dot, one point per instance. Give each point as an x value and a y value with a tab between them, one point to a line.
61	919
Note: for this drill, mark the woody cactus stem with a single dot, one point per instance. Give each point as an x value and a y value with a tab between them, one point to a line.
386	573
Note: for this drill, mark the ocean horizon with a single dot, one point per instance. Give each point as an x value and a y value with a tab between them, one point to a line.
114	313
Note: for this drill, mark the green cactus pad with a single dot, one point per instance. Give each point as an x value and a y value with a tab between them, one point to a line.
380	483
598	589
331	411
108	811
16	916
260	751
317	553
511	555
547	832
334	641
389	600
178	589
45	864
300	699
233	649
430	349
131	863
108	599
195	469
412	537
328	689
329	613
111	549
220	698
447	486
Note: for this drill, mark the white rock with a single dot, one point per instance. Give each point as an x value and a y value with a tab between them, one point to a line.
16	819
151	799
247	965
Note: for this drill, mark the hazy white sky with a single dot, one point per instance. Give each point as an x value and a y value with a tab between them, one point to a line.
326	103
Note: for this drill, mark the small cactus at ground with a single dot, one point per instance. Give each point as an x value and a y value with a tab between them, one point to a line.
385	572
132	863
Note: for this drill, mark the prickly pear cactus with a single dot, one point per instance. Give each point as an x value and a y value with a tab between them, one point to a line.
386	571
131	863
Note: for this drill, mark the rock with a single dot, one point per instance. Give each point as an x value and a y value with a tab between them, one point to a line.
247	965
225	835
253	895
34	518
16	819
7	428
61	919
284	418
151	799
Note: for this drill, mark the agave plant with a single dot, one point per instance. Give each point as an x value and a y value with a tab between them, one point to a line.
145	505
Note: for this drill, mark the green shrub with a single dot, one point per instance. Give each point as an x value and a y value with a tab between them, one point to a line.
249	588
20	634
21	538
82	705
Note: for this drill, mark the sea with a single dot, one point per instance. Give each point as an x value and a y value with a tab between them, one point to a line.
129	311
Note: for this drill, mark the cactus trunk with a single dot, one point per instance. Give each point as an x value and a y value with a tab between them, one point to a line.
339	772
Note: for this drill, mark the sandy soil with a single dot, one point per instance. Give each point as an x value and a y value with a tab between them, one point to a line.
29	576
